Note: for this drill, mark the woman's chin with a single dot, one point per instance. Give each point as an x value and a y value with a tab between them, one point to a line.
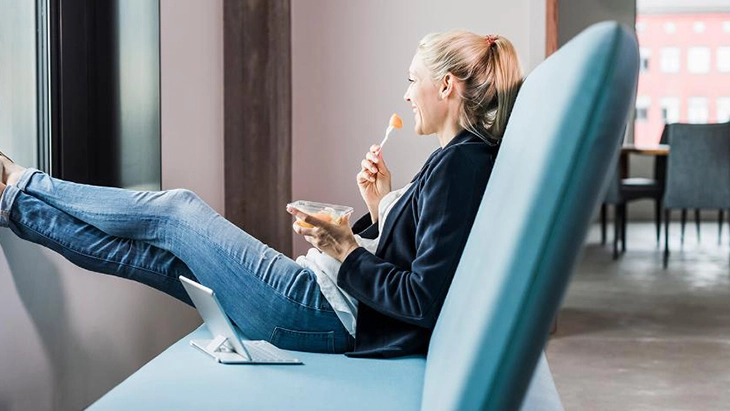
418	129
421	132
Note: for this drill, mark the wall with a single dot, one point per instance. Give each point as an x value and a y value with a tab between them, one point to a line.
192	97
576	15
350	65
67	335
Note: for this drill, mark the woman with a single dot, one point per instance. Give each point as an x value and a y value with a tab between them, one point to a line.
376	293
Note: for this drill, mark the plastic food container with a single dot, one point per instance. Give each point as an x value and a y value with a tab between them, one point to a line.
326	212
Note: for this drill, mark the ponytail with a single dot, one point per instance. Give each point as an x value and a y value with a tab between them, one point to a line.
506	79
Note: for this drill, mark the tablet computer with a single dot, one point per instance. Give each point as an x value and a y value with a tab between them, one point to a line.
226	346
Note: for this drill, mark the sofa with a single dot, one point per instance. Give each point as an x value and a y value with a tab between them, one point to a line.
487	349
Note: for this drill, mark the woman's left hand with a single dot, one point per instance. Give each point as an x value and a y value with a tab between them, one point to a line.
335	240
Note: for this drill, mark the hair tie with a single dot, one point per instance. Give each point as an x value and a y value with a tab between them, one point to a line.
491	39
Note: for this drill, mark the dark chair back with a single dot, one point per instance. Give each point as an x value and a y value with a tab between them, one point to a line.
698	168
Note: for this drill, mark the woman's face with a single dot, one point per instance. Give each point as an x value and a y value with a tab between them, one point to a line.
429	109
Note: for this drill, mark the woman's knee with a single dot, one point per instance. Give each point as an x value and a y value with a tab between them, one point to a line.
182	203
184	196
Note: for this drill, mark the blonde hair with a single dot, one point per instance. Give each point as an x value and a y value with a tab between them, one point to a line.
490	70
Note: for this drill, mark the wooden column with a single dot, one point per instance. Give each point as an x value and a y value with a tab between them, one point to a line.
551	45
257	100
551	27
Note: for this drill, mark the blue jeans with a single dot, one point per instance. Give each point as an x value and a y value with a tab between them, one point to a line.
153	237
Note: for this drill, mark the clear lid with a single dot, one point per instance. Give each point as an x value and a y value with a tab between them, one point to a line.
323	211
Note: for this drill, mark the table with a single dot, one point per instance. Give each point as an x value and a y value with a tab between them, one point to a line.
653	150
656	150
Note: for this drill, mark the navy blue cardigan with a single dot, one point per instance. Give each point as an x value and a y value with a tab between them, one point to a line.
402	287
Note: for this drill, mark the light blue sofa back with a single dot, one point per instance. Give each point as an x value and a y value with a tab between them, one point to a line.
564	131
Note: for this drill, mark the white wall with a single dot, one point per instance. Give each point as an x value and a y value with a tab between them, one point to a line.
192	97
68	335
350	65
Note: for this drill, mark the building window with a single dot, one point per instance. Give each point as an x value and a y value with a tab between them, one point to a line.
723	109
640	26
670	60
697	111
698	60
670	27
645	55
698	26
642	108
670	109
726	26
723	59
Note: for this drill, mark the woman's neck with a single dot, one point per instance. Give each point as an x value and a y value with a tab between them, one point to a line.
447	133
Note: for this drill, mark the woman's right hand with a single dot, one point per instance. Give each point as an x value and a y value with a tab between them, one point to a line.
373	180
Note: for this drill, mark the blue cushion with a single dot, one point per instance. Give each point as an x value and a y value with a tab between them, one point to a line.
562	137
183	378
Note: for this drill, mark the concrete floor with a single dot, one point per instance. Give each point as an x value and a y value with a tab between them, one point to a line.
632	336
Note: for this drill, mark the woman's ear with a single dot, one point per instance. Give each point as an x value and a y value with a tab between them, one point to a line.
446	87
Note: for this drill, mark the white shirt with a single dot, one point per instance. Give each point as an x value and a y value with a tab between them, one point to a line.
326	268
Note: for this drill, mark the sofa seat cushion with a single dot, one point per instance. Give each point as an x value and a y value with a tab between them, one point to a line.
183	378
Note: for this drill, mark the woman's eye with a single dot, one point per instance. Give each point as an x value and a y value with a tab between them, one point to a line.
410	80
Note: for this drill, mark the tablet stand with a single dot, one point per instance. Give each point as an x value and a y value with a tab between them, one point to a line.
217	348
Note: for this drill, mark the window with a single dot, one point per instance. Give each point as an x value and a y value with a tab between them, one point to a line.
697	110
645	55
18	99
698	26
640	26
698	60
726	26
723	109
642	108
723	59
111	91
670	27
670	60
670	110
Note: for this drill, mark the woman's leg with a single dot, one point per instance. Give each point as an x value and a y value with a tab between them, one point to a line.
174	220
90	248
267	294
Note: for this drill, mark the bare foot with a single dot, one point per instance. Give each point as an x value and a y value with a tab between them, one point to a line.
9	171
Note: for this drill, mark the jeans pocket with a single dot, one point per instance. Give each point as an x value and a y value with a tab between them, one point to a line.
309	341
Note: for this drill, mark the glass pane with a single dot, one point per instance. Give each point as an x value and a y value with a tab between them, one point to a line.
138	93
690	80
18	101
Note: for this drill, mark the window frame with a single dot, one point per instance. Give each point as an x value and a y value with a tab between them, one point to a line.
692	110
722	59
665	58
699	59
722	109
675	108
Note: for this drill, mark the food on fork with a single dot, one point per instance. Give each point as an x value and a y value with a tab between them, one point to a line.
396	121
